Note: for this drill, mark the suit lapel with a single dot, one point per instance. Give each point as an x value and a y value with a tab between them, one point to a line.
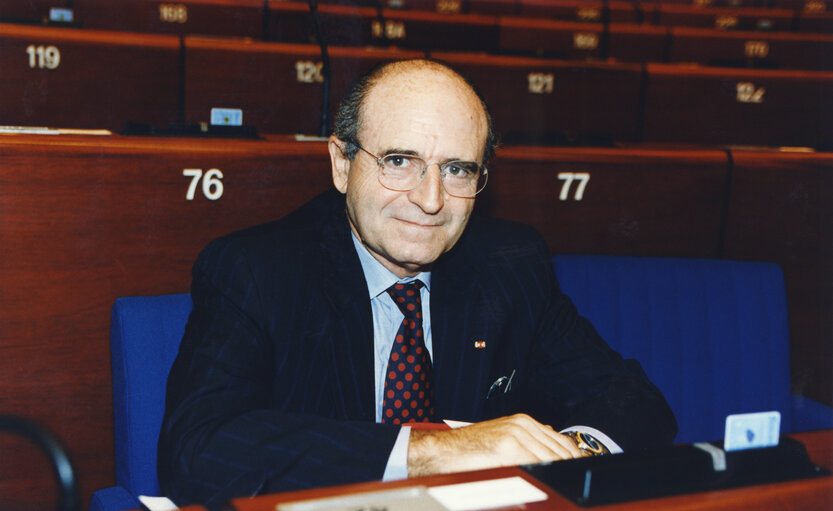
465	326
351	327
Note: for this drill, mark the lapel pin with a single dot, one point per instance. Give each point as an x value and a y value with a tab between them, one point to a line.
480	344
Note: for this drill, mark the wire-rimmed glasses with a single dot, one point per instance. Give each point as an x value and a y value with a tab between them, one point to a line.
404	172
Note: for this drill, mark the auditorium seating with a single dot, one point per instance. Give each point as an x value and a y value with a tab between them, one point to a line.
242	18
438	31
89	218
547	101
712	106
592	200
277	86
724	18
819	22
87	79
346	25
592	11
637	43
556	39
781	209
644	119
752	49
495	7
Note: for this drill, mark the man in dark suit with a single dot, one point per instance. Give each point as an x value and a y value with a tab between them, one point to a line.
290	373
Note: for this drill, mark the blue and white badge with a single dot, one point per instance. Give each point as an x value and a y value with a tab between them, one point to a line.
752	431
61	15
226	117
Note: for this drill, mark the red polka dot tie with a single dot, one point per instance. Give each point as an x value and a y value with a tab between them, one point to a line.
409	395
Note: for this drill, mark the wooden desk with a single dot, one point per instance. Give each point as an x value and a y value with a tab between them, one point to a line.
809	494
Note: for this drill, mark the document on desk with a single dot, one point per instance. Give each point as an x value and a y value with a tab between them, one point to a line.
489	494
414	498
493	493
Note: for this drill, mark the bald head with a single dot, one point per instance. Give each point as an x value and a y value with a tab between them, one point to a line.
420	81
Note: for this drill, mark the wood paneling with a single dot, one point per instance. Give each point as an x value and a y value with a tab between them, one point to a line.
86	78
547	100
709	106
241	18
752	49
277	86
84	220
638	202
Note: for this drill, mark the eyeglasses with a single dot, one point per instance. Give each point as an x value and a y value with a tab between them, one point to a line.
404	172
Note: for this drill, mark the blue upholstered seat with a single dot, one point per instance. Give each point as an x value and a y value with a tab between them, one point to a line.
713	335
145	333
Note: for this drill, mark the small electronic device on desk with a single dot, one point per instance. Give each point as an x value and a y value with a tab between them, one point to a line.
752	453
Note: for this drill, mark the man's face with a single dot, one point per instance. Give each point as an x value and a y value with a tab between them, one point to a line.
436	117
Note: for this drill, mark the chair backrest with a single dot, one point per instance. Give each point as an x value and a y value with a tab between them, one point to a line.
711	334
145	333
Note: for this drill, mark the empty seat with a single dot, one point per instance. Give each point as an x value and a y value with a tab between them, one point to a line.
556	101
781	210
495	7
558	39
801	5
441	6
725	18
346	25
637	43
437	31
714	106
290	22
818	22
213	17
592	11
752	49
277	86
615	201
87	79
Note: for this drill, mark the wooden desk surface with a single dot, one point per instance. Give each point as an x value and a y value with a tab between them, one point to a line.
808	494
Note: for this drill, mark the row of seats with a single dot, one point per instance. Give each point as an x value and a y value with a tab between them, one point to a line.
363	26
806	16
88	219
96	79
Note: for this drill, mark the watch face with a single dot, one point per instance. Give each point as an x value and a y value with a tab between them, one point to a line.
591	442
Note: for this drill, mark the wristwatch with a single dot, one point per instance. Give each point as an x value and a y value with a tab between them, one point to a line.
587	443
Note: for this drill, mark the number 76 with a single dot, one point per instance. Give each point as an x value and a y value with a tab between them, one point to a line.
212	184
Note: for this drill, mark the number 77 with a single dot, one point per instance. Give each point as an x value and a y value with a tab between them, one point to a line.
582	177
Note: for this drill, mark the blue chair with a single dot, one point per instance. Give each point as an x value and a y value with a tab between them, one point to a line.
145	333
713	335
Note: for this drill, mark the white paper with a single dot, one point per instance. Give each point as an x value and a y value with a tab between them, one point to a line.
509	491
157	503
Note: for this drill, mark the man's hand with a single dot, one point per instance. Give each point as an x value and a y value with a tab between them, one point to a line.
514	440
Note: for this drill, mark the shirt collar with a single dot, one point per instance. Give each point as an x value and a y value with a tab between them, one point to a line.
379	278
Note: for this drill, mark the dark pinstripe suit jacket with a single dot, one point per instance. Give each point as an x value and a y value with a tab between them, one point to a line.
273	386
